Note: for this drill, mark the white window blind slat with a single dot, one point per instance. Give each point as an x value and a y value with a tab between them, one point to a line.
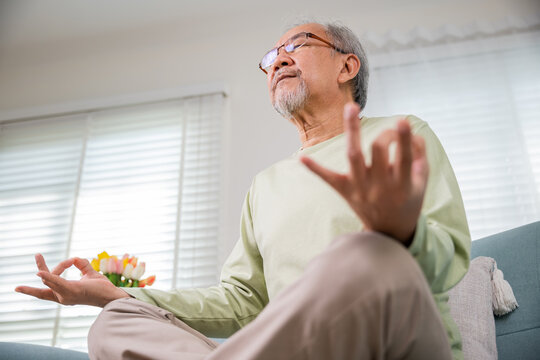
140	148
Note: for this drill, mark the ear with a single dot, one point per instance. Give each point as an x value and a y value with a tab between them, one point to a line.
350	67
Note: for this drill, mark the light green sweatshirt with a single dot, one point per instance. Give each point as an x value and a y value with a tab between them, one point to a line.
290	215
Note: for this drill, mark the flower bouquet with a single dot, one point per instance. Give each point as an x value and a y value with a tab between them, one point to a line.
122	272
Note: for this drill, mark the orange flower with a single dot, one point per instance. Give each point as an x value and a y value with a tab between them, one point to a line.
148	281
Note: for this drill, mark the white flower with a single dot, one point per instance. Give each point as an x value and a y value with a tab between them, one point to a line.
103	266
138	271
127	271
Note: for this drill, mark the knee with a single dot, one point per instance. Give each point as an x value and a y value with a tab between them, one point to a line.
111	319
111	315
368	260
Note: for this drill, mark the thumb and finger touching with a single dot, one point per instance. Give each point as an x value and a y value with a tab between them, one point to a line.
51	279
62	266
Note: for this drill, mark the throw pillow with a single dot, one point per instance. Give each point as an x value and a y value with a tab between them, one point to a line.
471	307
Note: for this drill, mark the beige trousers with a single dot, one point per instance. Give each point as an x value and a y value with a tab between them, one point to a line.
364	297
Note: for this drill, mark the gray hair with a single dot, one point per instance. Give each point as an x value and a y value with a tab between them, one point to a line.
346	40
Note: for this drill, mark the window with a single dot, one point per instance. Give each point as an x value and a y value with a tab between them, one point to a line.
139	179
482	98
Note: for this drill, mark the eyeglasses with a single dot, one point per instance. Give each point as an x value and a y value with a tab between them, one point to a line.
290	46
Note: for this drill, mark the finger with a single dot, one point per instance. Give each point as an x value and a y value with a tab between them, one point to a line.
83	265
40	262
44	294
62	266
403	152
354	148
420	165
380	167
418	145
55	282
335	180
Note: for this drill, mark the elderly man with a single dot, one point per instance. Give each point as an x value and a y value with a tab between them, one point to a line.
315	275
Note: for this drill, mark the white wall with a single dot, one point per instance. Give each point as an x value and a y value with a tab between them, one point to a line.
57	52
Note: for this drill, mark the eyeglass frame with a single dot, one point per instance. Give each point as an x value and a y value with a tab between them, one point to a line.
308	35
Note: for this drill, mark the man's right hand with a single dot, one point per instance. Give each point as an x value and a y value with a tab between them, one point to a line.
93	288
386	195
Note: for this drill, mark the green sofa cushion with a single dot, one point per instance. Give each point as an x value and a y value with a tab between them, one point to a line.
17	351
517	253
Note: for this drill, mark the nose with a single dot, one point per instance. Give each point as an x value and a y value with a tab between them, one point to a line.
283	59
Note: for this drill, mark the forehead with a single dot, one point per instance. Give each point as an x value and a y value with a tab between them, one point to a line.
317	29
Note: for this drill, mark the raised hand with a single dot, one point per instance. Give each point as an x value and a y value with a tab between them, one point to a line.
386	196
93	288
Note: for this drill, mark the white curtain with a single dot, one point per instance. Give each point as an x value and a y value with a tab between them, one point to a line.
139	179
480	92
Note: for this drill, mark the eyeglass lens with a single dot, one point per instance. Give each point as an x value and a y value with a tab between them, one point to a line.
289	46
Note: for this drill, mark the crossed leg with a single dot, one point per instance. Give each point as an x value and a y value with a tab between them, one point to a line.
131	329
364	297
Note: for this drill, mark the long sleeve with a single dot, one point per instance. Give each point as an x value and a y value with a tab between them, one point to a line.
221	310
442	242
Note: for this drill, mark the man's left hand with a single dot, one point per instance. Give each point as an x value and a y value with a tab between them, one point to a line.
386	196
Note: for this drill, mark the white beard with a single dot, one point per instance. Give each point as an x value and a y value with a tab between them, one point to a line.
288	102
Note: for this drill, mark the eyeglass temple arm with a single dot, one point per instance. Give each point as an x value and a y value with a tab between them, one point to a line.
326	42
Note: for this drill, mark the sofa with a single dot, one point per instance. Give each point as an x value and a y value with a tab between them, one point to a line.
517	253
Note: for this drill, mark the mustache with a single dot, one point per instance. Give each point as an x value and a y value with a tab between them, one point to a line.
286	72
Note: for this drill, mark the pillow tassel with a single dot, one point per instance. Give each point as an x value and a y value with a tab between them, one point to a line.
503	300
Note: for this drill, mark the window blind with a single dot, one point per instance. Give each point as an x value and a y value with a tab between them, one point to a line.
482	98
141	179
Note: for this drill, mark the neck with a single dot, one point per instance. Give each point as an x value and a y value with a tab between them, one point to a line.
317	125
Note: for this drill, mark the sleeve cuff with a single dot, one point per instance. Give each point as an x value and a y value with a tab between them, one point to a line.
138	294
